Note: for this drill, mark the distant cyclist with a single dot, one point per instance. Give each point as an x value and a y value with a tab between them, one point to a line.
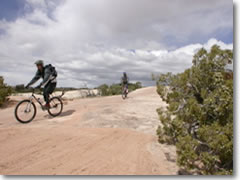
49	76
125	81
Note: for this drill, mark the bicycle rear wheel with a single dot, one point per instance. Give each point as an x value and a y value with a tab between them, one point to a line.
124	95
25	111
56	106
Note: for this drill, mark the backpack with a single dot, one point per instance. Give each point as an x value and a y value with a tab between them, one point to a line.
53	70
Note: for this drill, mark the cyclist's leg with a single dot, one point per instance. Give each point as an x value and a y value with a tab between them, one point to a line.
52	87
46	94
48	89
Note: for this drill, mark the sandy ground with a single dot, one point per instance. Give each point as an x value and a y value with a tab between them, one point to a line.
93	136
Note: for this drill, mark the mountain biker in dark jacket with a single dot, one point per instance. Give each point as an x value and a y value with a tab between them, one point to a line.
49	80
125	81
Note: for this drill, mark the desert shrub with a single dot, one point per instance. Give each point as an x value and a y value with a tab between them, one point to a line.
4	91
116	89
199	118
104	89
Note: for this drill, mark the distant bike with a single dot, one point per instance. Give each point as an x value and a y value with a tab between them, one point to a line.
26	110
124	92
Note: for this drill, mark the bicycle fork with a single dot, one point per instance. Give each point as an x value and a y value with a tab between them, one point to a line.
28	108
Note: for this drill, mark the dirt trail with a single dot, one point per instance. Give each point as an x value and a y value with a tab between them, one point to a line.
94	136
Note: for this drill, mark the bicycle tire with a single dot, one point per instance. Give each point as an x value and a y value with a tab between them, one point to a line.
124	95
16	111
61	108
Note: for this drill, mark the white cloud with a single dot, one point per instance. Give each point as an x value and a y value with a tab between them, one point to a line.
213	41
95	41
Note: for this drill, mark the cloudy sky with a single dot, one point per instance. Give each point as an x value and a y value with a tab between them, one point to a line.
94	41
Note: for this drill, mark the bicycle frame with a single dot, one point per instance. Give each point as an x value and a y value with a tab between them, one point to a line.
38	99
124	90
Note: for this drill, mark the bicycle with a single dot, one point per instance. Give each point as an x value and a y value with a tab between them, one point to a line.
27	107
124	92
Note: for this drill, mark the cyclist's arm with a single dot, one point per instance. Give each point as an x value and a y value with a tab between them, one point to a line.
47	77
35	78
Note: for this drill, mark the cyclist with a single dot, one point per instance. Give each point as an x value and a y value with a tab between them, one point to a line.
49	76
125	81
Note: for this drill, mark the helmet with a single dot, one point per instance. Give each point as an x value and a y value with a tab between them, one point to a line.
39	62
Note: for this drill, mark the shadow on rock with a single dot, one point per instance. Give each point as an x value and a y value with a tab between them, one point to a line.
63	114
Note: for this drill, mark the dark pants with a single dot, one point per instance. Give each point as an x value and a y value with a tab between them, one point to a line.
125	85
47	90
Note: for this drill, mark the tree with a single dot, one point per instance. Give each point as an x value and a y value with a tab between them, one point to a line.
19	88
103	89
138	85
199	119
116	89
4	91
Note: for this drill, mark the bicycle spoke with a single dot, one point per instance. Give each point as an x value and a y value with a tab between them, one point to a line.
25	111
55	106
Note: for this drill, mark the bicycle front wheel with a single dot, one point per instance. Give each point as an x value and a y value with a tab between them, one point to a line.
124	95
25	111
56	106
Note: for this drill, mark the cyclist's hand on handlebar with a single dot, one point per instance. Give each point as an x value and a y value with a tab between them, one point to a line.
27	86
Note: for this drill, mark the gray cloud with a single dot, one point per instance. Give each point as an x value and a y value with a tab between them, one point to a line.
95	41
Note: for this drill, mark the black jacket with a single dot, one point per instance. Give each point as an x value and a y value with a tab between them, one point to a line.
46	75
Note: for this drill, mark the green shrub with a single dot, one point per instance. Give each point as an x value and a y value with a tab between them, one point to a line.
199	118
4	91
103	89
116	89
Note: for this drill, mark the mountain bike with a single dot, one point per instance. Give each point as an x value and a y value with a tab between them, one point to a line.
124	92
26	110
